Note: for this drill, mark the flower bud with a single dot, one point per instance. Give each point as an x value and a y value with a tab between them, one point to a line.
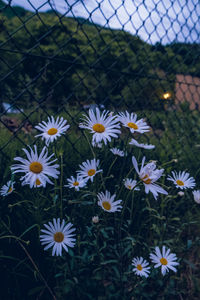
95	219
181	193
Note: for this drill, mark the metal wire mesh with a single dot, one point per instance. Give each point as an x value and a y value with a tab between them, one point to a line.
55	60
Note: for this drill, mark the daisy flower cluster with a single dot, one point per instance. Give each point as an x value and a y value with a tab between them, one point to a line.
160	258
39	167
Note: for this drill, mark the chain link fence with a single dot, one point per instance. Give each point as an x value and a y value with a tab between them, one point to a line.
63	57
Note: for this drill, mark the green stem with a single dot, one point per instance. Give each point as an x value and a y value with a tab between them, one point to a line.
103	180
131	214
19	203
123	209
32	261
14	237
61	186
55	183
89	145
110	168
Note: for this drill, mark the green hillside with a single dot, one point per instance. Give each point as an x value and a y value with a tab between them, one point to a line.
61	59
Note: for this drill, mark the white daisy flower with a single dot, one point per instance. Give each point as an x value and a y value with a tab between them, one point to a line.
37	183
144	146
130	184
37	168
106	201
89	169
52	129
196	195
75	183
58	235
118	152
141	266
103	126
7	188
97	145
182	180
130	121
164	259
149	175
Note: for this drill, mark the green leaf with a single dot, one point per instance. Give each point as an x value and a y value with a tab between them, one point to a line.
27	230
35	290
111	261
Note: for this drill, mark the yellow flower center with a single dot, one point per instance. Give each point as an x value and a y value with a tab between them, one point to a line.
132	125
10	190
91	172
106	205
58	237
37	182
139	267
52	131
180	182
75	183
163	261
98	128
129	187
36	167
146	179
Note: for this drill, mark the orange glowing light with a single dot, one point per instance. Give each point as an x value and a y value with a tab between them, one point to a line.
166	95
